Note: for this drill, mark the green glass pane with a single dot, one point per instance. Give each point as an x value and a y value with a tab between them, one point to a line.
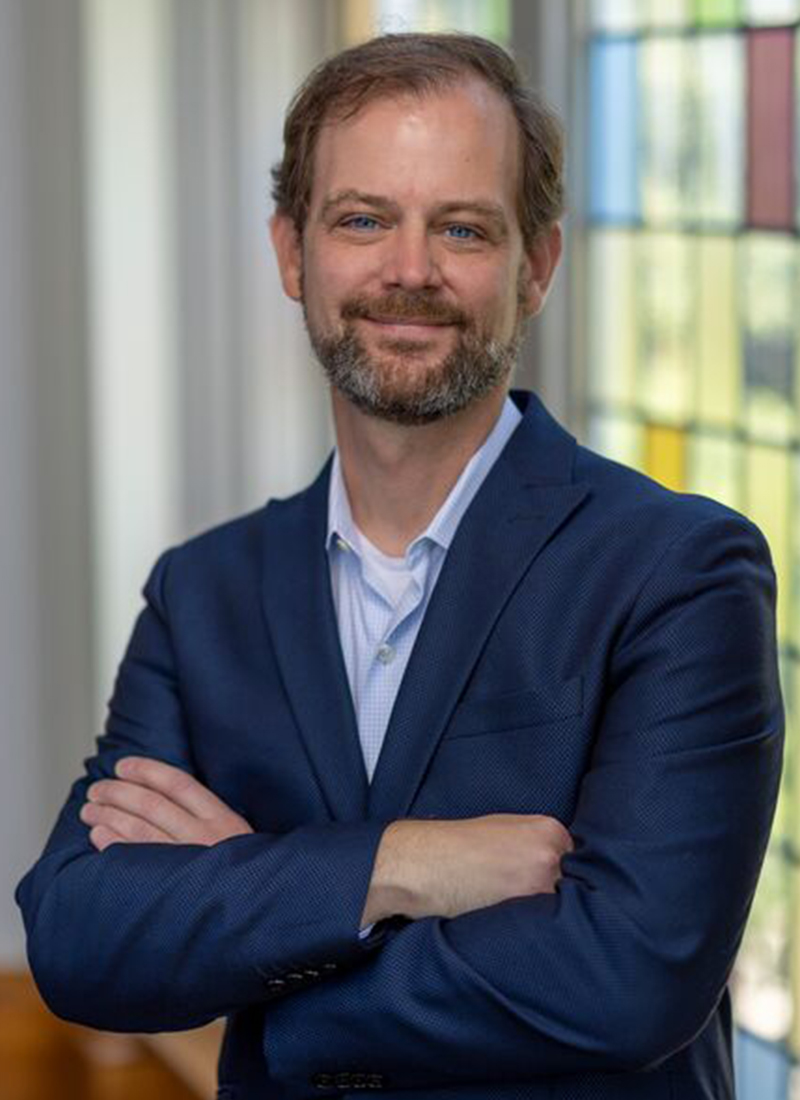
719	364
666	315
668	13
771	12
761	989
715	469
612	331
490	18
617	15
666	134
717	12
617	437
714	146
770	475
769	285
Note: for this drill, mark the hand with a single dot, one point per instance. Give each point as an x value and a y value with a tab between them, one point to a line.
154	802
444	868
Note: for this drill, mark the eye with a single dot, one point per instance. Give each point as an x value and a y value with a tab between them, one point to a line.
359	221
463	233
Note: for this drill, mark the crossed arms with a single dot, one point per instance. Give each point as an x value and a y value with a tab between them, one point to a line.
617	969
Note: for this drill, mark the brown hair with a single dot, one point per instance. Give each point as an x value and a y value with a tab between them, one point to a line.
396	64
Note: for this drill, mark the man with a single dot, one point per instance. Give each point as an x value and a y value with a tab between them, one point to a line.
452	775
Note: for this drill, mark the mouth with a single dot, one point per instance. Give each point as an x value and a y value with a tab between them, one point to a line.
408	327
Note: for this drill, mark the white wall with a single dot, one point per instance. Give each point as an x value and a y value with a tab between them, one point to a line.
152	379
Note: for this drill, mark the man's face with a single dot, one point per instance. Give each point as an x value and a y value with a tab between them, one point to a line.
412	272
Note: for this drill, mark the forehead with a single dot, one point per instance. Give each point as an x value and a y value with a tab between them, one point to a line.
461	141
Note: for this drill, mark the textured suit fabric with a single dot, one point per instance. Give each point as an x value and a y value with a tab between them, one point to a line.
597	648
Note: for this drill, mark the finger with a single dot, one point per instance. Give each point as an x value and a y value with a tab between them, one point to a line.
175	783
148	805
127	826
101	836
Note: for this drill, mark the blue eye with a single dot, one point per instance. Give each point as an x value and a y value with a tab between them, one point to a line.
462	232
358	220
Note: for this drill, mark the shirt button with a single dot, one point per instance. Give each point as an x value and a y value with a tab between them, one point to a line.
385	654
342	544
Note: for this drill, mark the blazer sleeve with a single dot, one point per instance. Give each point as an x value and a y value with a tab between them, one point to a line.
626	963
157	937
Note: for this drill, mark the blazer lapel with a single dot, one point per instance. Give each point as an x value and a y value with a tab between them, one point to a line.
301	619
527	496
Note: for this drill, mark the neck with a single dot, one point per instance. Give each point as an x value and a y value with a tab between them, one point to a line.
397	477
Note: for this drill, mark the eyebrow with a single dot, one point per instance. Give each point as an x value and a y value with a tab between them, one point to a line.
493	212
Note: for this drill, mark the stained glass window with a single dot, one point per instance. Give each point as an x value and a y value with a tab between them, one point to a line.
693	208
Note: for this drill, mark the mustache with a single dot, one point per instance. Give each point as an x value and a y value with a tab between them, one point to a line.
402	306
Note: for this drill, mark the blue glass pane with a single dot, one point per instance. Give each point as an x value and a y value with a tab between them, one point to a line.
762	1069
613	166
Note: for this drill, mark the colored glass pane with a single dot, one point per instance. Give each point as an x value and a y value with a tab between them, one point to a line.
769	278
771	11
715	468
665	455
761	990
618	437
666	317
714	145
668	13
617	15
613	163
770	128
715	13
666	127
612	330
363	18
768	487
719	363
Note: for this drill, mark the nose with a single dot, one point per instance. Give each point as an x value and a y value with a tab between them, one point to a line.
409	260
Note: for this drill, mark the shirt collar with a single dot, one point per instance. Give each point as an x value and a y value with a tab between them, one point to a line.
442	528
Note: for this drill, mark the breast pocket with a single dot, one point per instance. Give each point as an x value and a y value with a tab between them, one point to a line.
532	706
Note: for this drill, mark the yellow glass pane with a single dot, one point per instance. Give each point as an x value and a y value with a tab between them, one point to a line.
667	13
666	315
612	331
617	437
719	368
769	297
665	455
358	21
714	469
768	481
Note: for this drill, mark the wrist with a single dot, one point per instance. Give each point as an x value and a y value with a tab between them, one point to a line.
394	890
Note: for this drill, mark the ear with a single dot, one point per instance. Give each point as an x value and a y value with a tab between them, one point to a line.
541	261
289	251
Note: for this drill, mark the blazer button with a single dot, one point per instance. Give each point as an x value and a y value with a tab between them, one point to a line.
342	1080
312	974
330	967
322	1080
375	1080
295	979
276	984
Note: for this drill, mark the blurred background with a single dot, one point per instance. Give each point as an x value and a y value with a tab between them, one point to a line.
154	381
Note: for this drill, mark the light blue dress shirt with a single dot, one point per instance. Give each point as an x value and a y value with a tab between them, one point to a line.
381	601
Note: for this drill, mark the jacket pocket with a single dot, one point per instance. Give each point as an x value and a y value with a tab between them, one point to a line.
546	702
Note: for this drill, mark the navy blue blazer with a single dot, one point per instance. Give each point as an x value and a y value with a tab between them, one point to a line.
597	648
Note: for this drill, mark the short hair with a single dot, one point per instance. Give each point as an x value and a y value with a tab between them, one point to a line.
402	64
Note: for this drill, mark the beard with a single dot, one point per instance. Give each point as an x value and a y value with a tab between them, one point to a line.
395	386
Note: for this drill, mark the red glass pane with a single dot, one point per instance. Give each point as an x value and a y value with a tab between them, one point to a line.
770	128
